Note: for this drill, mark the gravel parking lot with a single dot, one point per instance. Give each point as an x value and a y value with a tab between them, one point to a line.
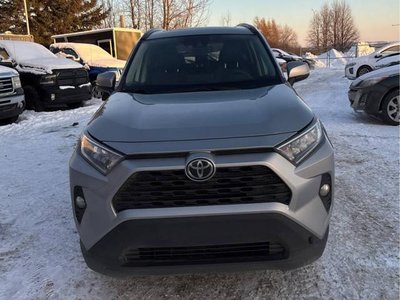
39	249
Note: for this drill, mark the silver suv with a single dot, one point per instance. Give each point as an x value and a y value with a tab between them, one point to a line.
204	158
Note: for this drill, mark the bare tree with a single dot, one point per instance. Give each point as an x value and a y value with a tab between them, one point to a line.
345	32
183	13
332	26
226	19
278	36
326	26
314	33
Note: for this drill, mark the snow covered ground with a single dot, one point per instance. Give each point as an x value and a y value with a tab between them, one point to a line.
39	249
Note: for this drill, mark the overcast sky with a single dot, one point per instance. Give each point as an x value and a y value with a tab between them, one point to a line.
373	18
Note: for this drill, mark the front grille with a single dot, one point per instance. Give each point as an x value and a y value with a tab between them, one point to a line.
6	86
231	185
72	77
203	254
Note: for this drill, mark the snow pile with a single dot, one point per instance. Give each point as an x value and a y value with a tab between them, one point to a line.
333	59
318	63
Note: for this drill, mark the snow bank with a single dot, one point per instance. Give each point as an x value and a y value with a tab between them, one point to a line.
318	63
333	59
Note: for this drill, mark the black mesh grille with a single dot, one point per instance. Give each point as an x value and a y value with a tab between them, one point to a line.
72	77
171	188
203	254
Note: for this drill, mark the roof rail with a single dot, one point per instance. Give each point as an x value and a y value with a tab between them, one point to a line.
150	32
249	27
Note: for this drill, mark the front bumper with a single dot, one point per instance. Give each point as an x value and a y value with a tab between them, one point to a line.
367	99
350	72
56	95
301	227
12	105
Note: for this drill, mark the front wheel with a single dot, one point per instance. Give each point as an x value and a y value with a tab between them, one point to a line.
363	70
32	99
390	108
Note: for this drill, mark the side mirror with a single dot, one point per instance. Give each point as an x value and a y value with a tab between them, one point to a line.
378	55
297	71
105	82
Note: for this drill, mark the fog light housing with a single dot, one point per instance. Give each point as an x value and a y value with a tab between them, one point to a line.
53	97
80	202
324	190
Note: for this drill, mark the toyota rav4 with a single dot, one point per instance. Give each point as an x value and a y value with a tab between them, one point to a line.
204	158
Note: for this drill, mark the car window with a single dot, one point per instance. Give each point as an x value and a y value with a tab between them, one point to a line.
391	50
203	62
69	51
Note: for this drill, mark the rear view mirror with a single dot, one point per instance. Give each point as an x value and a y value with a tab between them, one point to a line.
297	71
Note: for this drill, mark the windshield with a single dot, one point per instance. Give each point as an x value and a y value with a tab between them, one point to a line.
26	50
200	63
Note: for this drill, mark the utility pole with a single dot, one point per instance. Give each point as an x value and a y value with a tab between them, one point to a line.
27	19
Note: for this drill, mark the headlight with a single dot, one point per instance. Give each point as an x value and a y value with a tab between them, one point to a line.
48	79
298	147
351	65
16	82
369	82
99	156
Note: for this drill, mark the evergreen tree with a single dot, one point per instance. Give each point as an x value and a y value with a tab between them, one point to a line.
49	17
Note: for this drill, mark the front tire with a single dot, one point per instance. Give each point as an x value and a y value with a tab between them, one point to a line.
363	70
32	99
390	108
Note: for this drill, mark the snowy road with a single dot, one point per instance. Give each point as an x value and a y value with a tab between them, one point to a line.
39	250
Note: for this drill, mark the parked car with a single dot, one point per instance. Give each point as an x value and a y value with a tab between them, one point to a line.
94	58
288	57
364	64
202	162
387	61
377	93
12	101
46	79
282	63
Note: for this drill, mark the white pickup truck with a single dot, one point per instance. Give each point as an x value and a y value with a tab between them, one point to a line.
12	101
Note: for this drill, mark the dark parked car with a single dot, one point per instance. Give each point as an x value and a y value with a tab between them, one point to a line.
288	57
203	158
377	93
46	79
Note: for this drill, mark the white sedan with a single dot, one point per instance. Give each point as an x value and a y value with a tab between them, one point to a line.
364	64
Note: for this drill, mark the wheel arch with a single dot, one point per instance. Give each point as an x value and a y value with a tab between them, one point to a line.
385	95
363	66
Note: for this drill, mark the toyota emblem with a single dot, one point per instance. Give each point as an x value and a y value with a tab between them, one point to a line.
200	169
